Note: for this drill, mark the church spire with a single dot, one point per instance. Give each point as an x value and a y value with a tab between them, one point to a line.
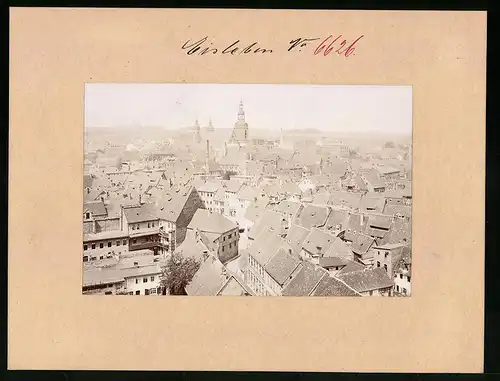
241	112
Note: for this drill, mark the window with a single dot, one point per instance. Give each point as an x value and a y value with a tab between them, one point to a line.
409	277
149	225
93	258
378	264
137	281
224	238
109	244
85	259
400	276
230	245
101	257
93	246
386	255
152	291
385	267
124	241
153	224
87	215
404	290
134	241
144	280
138	292
229	236
397	288
371	292
152	279
101	245
146	292
117	243
85	247
108	293
222	248
131	293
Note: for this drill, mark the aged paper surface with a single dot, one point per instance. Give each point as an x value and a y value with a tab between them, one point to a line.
54	52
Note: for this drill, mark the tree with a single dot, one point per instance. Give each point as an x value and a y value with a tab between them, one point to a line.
389	145
178	272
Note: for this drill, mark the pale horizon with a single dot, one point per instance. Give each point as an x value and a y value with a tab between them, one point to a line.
346	109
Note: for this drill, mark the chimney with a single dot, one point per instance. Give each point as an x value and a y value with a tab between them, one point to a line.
319	248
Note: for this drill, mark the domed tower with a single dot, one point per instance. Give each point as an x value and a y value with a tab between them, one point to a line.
210	127
240	130
195	131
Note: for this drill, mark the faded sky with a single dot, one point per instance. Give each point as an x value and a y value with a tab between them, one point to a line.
385	109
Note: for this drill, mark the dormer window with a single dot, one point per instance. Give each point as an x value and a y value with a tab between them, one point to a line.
87	215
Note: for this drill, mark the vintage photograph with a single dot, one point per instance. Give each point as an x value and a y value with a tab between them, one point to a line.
247	190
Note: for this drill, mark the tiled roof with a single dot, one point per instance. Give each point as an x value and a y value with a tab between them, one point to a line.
206	221
312	216
351	266
87	181
379	221
207	186
337	217
372	178
281	266
332	261
367	279
146	212
295	237
191	247
321	198
375	204
362	243
400	231
341	198
97	208
339	249
290	188
115	274
286	207
232	185
269	220
318	239
209	278
172	202
264	246
247	193
392	210
256	210
304	281
329	286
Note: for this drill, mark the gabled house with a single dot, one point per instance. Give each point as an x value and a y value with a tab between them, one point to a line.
214	279
217	232
386	256
360	247
175	211
316	245
143	226
373	182
368	282
312	216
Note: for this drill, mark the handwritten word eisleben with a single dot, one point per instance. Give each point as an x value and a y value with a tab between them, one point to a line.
202	47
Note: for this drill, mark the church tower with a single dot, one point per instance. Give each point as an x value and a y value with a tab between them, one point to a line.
210	127
240	130
195	131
